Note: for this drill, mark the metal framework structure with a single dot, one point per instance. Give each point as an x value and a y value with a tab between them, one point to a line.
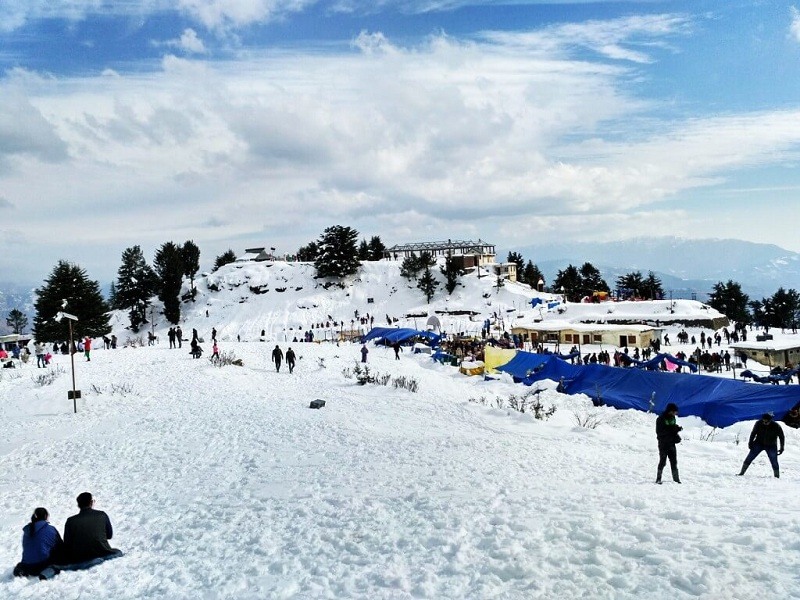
444	248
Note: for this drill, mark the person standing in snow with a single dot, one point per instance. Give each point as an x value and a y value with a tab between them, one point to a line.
290	359
397	350
667	433
364	352
171	336
213	333
87	347
764	437
179	336
214	352
277	357
39	350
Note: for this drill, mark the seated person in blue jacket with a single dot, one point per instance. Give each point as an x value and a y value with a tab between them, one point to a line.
86	538
41	545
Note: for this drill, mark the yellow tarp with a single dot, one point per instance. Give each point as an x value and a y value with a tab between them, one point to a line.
494	357
471	368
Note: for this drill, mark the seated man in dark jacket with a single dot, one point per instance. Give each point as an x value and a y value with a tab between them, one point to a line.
86	534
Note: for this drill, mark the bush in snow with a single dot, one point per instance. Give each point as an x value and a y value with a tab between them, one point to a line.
529	402
588	419
134	342
405	383
48	376
226	358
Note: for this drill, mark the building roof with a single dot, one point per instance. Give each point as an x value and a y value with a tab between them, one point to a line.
471	245
769	345
555	325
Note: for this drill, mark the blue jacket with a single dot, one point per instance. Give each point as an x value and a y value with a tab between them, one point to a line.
38	548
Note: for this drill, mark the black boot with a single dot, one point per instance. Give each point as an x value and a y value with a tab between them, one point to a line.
675	477
777	472
744	468
658	476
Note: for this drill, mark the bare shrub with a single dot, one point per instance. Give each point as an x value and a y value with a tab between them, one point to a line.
587	419
49	376
226	358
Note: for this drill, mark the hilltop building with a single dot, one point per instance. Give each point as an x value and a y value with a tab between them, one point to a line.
468	255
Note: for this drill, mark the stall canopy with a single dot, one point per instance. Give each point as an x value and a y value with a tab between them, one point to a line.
719	402
391	335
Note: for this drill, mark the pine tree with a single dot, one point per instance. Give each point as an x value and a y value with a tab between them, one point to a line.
69	289
630	284
17	320
308	253
223	259
428	284
729	299
363	250
652	287
169	269
191	262
591	280
338	254
532	276
452	272
570	281
136	285
376	248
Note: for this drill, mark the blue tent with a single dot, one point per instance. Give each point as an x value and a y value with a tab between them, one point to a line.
719	402
390	335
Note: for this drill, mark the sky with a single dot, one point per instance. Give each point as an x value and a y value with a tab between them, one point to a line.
240	123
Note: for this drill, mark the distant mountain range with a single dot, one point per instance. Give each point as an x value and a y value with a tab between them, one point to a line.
15	295
684	266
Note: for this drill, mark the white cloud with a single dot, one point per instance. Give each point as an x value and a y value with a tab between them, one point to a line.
794	26
189	42
504	136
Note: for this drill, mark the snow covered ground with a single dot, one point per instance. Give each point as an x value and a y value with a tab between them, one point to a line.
222	483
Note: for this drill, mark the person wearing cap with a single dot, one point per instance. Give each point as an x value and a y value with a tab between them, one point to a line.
764	438
667	432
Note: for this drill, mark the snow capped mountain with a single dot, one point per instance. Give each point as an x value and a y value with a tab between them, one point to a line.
760	268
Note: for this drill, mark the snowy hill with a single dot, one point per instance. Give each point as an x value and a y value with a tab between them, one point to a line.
284	300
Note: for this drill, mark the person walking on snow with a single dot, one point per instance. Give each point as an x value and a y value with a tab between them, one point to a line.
87	347
397	350
364	352
277	357
214	352
764	437
290	359
667	433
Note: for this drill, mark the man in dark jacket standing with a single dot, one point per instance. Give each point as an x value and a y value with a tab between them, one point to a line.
290	359
667	430
277	357
86	534
764	437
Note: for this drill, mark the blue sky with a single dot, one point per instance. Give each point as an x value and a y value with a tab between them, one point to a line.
261	122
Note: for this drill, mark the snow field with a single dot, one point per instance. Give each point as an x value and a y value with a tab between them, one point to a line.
221	483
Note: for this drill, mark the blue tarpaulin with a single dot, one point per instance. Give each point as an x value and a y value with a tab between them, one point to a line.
392	334
719	402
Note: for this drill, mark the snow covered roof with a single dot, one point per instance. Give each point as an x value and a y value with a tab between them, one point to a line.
778	345
561	325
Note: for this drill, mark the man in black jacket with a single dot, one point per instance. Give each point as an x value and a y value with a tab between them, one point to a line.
667	433
764	437
86	534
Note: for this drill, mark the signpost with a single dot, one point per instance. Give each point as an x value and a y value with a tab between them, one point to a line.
74	394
